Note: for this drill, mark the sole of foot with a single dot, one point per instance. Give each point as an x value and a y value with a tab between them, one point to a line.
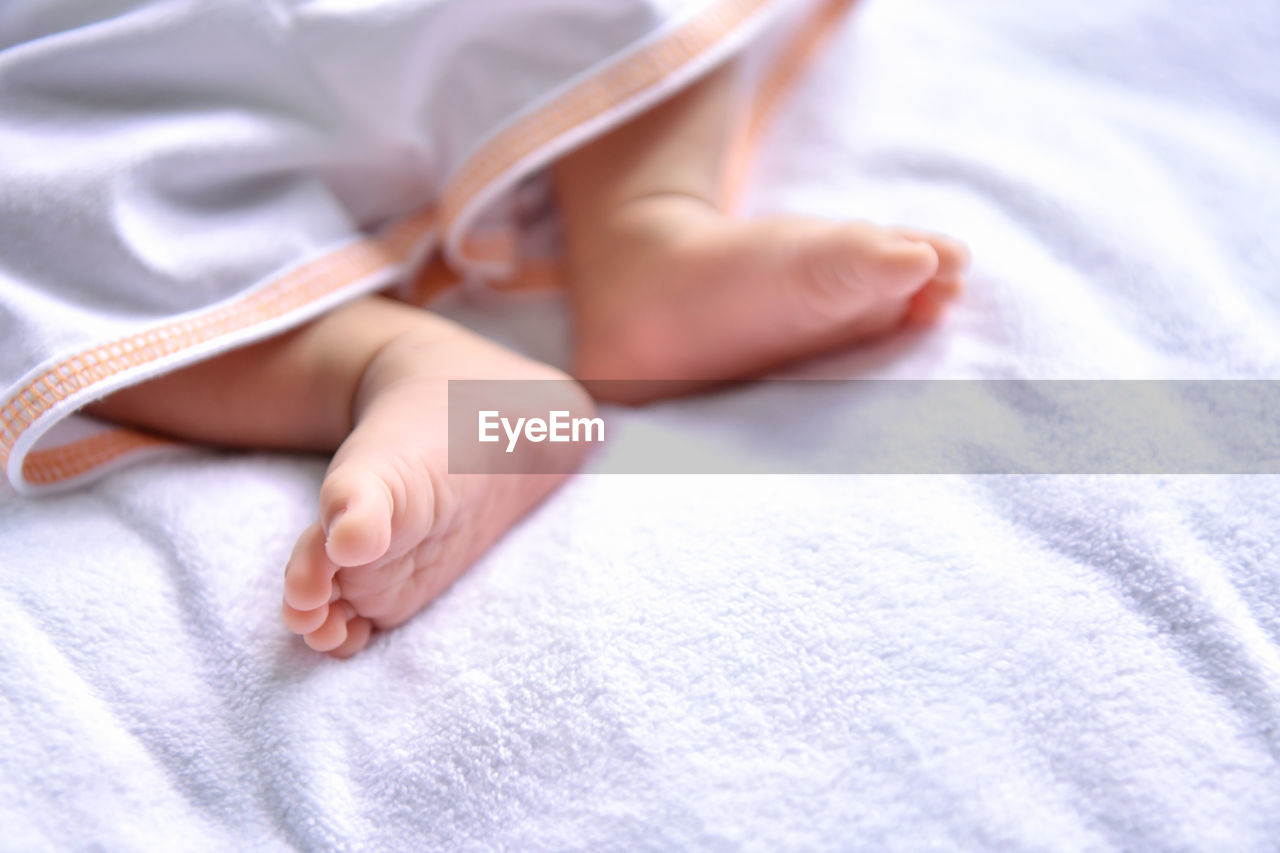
395	528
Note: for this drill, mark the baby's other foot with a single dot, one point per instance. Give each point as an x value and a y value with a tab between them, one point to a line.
689	294
395	527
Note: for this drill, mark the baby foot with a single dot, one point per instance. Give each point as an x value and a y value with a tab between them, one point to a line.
395	528
688	294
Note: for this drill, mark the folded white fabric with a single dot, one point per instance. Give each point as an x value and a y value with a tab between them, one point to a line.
181	177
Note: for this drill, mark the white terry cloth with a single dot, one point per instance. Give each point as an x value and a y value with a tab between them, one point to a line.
181	177
824	663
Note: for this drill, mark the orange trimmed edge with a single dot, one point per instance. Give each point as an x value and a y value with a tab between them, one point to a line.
303	284
625	79
781	77
363	257
65	462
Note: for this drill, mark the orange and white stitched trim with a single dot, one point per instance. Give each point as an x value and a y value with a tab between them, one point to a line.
58	464
300	286
614	85
780	79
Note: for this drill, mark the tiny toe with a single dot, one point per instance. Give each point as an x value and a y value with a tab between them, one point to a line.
308	577
945	289
854	268
359	630
303	621
928	304
356	507
333	633
953	255
909	261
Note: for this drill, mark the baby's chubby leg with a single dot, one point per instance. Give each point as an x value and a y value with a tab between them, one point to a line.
665	286
370	379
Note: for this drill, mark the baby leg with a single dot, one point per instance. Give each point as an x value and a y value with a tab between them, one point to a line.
371	380
665	286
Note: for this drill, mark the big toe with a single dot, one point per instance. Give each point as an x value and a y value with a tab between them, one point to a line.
854	269
953	255
356	509
879	264
900	263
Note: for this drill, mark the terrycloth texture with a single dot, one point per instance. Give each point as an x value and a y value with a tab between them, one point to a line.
1056	663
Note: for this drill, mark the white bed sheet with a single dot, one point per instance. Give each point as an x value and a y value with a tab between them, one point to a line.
1062	663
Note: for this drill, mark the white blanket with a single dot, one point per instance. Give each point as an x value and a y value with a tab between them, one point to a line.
1058	663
